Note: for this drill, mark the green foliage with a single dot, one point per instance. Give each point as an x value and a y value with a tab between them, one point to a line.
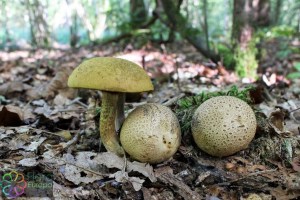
245	60
187	106
295	75
226	54
279	36
280	31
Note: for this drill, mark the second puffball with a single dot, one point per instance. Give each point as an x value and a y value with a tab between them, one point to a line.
151	133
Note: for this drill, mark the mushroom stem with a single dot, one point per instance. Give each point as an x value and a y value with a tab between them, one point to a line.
120	116
108	133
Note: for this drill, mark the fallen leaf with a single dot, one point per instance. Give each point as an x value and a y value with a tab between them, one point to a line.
121	177
29	162
13	86
64	134
111	160
10	115
79	175
296	164
276	121
61	100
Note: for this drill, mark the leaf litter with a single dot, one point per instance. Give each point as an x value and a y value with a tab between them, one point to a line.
46	127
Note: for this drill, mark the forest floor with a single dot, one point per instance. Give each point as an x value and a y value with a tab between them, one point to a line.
49	134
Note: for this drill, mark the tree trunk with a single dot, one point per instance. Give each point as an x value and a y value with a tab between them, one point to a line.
138	13
72	22
277	12
4	9
204	8
40	34
177	22
248	15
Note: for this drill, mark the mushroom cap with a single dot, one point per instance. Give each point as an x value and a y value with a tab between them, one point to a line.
151	133
110	74
223	125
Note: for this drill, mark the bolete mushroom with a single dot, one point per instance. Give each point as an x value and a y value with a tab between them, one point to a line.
151	133
224	125
114	77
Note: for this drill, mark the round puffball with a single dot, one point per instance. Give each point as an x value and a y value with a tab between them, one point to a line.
224	125
151	133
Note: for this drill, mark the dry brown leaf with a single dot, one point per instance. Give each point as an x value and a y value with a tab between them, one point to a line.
13	86
78	175
58	82
10	115
48	90
165	175
29	162
296	164
111	160
121	176
276	121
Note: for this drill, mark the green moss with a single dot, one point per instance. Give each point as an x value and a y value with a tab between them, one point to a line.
245	59
187	106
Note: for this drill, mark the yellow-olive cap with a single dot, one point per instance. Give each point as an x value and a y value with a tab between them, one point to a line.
110	74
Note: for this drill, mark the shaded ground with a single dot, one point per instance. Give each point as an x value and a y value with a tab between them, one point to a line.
49	128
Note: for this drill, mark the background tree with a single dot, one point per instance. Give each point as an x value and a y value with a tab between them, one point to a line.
4	11
177	22
40	34
138	13
248	16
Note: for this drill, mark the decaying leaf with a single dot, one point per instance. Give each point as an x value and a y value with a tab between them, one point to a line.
165	175
13	86
276	121
79	169
79	175
122	176
296	164
28	162
111	160
10	116
26	142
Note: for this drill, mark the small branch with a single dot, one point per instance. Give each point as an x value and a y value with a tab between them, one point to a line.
173	100
248	175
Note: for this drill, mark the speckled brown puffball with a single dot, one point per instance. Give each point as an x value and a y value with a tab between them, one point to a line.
151	133
223	125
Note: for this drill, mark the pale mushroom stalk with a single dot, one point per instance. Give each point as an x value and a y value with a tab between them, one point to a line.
110	111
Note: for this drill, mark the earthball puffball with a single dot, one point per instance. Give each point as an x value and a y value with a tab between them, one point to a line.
151	133
223	125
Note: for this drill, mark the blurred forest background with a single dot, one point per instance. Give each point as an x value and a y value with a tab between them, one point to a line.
232	32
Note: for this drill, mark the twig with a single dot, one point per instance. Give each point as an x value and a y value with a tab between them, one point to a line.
248	175
77	100
173	100
294	110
